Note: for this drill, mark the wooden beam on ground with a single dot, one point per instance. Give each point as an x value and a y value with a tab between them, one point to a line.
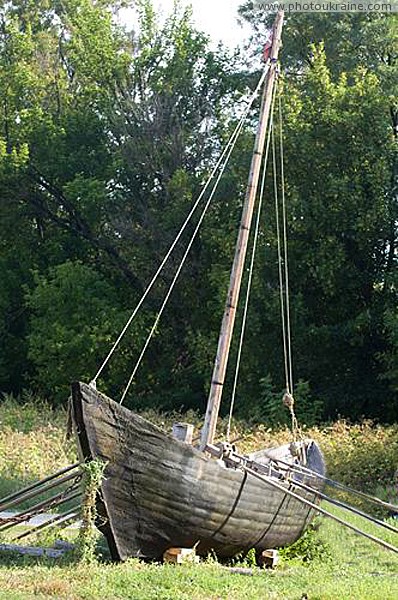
33	550
241	571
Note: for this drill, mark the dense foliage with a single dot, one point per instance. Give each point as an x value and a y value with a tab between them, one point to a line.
106	139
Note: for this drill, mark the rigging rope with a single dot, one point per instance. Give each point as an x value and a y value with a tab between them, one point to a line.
283	270
177	273
233	140
185	224
280	271
285	237
251	270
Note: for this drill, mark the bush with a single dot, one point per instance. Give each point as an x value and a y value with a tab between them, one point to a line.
308	547
271	409
74	316
363	455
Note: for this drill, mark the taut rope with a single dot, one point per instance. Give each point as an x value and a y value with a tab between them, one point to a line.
179	269
184	226
283	270
251	270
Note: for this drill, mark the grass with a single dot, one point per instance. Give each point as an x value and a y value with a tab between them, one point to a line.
342	565
352	569
33	442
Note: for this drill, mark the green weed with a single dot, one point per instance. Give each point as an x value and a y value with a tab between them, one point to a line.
93	473
308	548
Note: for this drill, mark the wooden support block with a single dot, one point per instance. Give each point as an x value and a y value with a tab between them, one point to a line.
180	555
183	432
268	559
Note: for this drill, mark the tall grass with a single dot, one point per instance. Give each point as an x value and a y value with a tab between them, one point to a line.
33	442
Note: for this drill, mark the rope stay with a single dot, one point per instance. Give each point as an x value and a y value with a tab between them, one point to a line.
182	262
285	245
285	248
280	269
251	271
149	287
283	270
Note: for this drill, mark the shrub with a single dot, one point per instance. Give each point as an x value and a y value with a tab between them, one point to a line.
272	410
364	455
308	547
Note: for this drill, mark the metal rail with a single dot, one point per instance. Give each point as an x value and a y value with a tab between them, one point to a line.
62	519
35	510
243	462
346	506
5	502
273	483
301	469
36	491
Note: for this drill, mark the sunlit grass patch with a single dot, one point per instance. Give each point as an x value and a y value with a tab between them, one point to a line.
348	576
33	442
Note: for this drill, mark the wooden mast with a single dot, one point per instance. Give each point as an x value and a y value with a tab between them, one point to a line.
224	342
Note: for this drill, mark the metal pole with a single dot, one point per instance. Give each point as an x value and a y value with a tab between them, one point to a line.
38	491
61	519
318	509
31	512
4	502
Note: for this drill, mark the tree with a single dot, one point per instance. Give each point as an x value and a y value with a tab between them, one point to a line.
341	184
106	139
107	128
66	344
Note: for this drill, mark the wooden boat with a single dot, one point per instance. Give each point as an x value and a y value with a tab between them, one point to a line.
159	492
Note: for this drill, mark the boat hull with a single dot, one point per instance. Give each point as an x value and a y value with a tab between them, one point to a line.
158	492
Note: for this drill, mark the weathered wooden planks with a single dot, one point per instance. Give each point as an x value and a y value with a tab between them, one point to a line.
159	492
